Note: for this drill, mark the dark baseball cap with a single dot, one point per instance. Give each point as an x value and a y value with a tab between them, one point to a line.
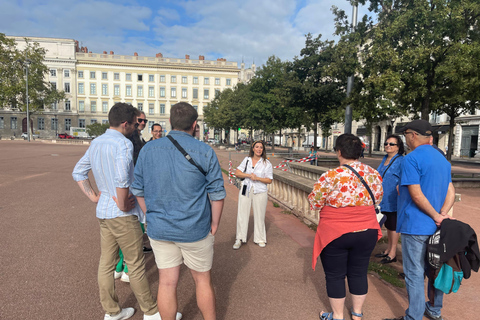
422	127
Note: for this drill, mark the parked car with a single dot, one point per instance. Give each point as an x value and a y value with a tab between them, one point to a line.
34	136
65	136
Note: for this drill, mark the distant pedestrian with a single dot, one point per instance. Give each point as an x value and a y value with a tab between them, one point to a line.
110	159
257	172
179	183
348	229
156	132
426	196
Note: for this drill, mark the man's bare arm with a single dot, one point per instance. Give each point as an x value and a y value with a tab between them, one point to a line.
423	204
449	200
141	203
217	209
87	189
125	200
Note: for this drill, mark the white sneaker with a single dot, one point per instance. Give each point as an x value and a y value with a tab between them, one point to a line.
237	244
117	275
125	277
124	314
262	244
156	316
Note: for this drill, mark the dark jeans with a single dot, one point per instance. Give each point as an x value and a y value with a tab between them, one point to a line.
348	256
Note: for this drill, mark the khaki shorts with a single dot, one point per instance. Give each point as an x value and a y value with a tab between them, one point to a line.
197	256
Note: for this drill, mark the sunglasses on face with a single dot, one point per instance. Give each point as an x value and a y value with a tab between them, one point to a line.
142	120
391	144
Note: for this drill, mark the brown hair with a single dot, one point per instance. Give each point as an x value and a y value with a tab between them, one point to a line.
264	152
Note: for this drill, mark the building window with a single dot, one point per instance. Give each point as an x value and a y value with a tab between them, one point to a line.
151	77
162	108
116	89
104	106
93	106
68	124
80	74
66	73
67	87
205	93
54	124
2	123
54	106
195	107
184	79
140	106
81	106
162	78
217	92
184	92
195	80
92	74
195	93
93	88
174	93
206	80
41	124
13	123
92	121
54	85
53	72
162	91
140	77
116	76
217	81
128	77
140	91
81	89
104	121
229	82
151	108
67	105
104	76
105	89
173	79
81	123
128	91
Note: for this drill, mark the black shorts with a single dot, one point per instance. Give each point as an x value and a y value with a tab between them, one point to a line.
391	222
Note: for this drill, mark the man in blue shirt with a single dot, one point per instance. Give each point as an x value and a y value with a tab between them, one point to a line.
426	196
110	159
183	202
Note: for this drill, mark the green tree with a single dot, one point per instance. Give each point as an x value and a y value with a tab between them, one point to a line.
13	77
96	129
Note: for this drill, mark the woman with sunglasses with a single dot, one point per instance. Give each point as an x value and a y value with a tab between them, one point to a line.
348	229
390	171
257	172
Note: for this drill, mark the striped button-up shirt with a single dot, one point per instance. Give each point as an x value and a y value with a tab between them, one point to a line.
110	159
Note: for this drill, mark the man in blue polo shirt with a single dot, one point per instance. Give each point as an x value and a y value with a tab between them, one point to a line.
182	193
426	196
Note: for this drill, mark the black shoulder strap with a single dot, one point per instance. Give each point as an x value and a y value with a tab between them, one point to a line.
363	181
186	155
391	162
246	164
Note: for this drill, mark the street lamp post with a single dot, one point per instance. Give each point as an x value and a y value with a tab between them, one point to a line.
27	64
348	110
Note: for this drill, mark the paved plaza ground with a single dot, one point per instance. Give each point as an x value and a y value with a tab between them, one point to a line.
49	252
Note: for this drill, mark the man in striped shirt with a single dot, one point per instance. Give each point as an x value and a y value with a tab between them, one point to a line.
110	159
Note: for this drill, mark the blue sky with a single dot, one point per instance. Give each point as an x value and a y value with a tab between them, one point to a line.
251	30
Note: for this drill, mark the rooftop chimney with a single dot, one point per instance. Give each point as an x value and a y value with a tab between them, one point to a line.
135	54
104	52
187	56
111	52
159	55
201	57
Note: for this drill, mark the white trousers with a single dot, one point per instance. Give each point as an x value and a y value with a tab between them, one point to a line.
259	202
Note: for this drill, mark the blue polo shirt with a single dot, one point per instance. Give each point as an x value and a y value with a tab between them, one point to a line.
426	167
177	194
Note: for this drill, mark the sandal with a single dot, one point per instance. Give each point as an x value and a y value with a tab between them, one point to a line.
327	316
356	314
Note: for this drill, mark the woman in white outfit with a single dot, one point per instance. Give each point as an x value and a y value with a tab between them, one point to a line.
257	172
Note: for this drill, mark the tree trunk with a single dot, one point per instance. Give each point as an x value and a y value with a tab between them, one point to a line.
450	138
315	134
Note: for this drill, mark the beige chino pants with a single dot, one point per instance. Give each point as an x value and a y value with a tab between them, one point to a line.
259	203
124	233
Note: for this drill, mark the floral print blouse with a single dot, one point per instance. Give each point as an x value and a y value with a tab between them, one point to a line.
340	187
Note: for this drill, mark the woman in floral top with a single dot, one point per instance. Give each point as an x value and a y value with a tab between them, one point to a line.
348	229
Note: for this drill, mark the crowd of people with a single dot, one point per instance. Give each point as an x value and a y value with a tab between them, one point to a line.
413	191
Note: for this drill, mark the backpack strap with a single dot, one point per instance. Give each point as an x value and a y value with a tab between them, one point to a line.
186	155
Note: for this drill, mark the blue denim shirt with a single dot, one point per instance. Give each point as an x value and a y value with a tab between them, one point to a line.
177	194
390	181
